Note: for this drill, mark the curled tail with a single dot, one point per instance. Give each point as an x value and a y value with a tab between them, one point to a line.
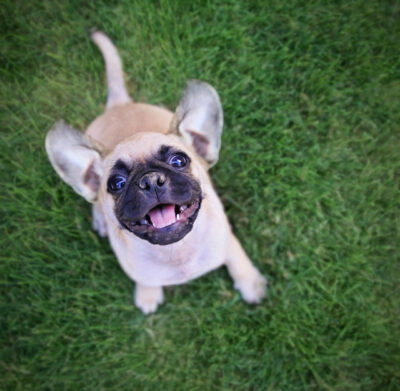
117	93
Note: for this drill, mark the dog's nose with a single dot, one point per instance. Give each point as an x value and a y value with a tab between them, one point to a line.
152	180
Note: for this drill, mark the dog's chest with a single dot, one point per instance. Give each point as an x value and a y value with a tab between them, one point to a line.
171	267
201	251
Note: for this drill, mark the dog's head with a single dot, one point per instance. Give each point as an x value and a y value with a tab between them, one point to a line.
152	183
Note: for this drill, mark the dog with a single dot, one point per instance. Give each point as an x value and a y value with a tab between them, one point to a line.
145	170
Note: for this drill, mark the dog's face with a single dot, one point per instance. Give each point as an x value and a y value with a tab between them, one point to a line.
151	183
153	186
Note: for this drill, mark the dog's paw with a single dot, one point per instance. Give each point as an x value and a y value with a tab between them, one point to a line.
100	227
253	288
147	299
98	222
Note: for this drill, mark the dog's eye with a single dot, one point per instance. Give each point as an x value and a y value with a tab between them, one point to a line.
178	160
116	183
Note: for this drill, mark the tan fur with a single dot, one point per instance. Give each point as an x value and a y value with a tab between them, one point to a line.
133	132
209	245
122	121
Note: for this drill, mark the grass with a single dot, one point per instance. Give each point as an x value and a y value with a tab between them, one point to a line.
308	173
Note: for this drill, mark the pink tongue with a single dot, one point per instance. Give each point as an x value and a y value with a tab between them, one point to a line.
163	215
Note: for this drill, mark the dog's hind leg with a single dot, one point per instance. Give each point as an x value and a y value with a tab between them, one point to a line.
117	93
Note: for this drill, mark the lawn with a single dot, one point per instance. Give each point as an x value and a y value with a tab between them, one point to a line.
308	173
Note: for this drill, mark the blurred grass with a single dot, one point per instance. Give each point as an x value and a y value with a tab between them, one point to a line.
309	175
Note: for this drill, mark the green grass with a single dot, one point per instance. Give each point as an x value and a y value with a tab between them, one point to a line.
309	175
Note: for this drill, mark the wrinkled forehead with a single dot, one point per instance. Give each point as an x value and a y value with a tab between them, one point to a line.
143	146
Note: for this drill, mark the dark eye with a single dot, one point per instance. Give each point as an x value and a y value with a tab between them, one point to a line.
116	183
178	160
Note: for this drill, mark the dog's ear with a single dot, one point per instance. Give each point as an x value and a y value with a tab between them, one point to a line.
75	158
199	120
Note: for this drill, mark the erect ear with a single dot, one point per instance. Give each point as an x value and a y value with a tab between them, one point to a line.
199	119
75	158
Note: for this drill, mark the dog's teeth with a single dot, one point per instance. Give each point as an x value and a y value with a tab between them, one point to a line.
178	216
143	221
183	208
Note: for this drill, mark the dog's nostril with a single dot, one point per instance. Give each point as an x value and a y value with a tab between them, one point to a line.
144	184
152	180
161	180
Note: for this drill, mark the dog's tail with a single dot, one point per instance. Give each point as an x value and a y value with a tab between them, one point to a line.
117	93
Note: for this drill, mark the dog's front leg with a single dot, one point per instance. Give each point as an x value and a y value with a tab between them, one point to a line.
248	280
98	221
148	298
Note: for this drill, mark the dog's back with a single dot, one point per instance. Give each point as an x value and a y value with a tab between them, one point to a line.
122	117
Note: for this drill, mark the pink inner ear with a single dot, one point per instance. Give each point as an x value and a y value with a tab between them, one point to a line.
91	179
200	143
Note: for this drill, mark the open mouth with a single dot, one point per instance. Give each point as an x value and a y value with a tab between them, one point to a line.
165	223
164	215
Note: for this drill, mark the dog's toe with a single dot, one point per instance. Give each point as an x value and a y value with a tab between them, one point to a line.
101	229
98	222
253	289
148	299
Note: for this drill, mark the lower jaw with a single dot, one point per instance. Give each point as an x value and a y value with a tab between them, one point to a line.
165	236
168	235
